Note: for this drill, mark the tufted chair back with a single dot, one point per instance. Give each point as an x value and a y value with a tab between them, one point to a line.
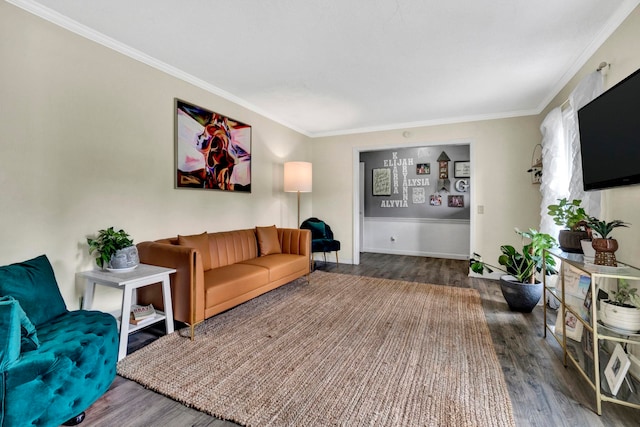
322	239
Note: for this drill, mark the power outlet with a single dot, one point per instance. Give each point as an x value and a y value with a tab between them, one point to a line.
480	209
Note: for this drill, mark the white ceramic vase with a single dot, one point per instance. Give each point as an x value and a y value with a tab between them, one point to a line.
588	251
125	258
624	318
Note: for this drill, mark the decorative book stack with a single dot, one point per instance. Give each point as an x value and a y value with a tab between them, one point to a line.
141	314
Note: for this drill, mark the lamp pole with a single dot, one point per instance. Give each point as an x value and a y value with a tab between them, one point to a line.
297	179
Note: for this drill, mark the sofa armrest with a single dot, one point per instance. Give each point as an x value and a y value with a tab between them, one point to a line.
187	284
10	336
295	241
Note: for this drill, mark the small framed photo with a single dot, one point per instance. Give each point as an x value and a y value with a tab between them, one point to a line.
587	343
381	182
575	283
572	326
423	168
435	200
455	201
586	306
462	169
617	369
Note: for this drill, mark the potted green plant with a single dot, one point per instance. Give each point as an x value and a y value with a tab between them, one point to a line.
573	218
114	250
519	286
622	309
604	245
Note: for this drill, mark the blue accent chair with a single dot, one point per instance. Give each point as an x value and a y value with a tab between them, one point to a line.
54	363
321	237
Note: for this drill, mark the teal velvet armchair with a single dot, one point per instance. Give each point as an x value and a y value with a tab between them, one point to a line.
54	363
321	237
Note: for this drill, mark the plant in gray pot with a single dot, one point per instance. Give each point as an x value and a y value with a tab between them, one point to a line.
114	250
604	245
571	216
622	309
519	286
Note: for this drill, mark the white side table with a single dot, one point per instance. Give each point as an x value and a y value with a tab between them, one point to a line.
143	275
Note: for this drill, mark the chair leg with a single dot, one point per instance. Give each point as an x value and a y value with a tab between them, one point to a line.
337	263
75	420
324	255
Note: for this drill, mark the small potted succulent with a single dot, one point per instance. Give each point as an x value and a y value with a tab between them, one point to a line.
622	309
604	245
519	286
571	216
114	250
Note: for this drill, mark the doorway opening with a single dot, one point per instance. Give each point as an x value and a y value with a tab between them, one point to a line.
414	199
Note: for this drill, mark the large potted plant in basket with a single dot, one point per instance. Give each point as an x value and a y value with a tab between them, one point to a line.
571	216
114	250
604	245
519	286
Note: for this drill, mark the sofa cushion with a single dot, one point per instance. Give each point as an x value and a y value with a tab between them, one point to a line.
10	336
280	265
34	285
201	243
268	240
224	283
28	336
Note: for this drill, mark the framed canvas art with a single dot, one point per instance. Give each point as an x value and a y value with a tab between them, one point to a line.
213	152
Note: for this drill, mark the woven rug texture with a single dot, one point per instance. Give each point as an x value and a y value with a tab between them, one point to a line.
342	351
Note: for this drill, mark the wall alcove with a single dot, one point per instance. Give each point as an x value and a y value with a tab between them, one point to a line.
416	200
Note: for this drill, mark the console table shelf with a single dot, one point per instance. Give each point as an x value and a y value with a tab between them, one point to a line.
577	292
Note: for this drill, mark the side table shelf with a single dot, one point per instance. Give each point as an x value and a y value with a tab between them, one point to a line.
585	341
143	275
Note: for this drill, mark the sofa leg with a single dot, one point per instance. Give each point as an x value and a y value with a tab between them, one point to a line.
75	420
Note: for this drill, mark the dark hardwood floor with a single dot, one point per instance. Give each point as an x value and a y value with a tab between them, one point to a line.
543	391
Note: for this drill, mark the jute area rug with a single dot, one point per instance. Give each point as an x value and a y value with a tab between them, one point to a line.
343	351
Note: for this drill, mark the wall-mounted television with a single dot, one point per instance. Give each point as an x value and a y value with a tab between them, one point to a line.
610	136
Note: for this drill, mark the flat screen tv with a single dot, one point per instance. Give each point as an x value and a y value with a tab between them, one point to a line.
610	136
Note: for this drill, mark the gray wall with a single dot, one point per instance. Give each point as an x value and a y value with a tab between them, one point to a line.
411	191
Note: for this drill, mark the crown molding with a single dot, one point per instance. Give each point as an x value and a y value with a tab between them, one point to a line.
110	43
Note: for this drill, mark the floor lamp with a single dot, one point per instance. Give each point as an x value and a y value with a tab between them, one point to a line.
297	179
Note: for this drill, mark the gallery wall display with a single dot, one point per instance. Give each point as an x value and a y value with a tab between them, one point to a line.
213	152
402	182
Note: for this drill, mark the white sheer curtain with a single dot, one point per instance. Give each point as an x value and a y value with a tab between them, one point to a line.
562	163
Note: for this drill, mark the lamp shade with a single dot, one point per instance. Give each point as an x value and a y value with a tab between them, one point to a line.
297	177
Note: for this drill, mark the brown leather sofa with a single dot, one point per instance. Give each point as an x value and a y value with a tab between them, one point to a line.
217	271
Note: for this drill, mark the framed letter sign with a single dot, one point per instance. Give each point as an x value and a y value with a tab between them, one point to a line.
381	182
462	169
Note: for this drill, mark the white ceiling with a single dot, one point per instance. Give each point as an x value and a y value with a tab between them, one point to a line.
343	66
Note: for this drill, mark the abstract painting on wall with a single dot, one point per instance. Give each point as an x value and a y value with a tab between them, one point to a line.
213	152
